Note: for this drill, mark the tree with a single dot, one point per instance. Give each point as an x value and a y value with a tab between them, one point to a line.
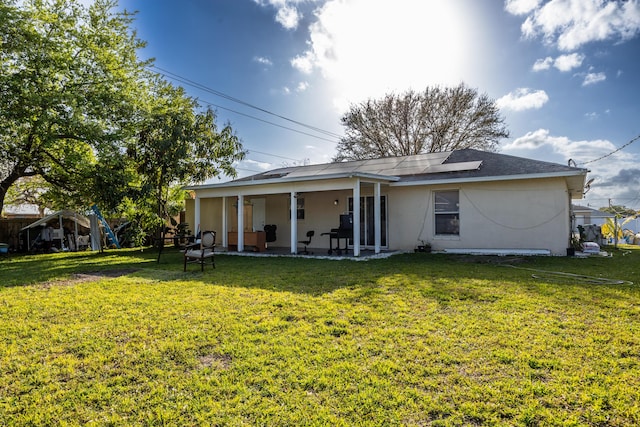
30	190
437	119
69	80
175	145
620	211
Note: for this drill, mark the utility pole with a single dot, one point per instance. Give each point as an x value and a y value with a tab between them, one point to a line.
615	228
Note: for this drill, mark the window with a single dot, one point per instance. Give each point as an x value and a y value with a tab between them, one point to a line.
299	208
447	212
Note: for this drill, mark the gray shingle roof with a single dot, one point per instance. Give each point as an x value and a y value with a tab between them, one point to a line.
459	164
494	164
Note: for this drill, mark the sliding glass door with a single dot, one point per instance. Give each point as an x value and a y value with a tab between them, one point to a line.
367	221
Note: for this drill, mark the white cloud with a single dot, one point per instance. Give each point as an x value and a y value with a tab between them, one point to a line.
287	13
541	143
304	63
579	151
568	62
523	99
593	78
592	115
520	7
288	17
302	86
366	48
570	24
262	60
543	64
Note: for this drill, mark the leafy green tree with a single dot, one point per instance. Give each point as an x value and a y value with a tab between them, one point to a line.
437	119
620	211
178	144
69	81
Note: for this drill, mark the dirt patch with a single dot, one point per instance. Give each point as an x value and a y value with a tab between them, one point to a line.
216	361
90	276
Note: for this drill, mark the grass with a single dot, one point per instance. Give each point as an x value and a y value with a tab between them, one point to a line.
416	339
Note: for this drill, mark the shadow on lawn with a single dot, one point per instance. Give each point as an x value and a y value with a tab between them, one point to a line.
312	276
21	270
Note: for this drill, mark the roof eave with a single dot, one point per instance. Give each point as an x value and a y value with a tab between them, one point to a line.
282	180
566	174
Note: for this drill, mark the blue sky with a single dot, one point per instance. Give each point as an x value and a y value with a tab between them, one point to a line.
565	73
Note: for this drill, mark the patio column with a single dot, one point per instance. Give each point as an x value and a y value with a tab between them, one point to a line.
196	215
240	223
376	217
225	239
356	218
294	222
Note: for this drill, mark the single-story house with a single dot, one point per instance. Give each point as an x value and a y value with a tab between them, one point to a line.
459	200
585	215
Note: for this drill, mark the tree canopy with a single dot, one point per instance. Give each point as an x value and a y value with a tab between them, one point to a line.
176	144
80	111
69	84
434	120
620	211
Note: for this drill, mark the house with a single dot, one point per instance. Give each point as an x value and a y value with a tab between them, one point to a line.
461	200
585	215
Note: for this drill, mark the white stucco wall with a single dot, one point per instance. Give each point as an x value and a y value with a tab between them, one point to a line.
495	215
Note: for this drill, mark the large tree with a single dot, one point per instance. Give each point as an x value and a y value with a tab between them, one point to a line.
434	120
177	143
68	83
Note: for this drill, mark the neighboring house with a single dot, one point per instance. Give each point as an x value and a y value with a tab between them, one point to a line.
459	200
585	215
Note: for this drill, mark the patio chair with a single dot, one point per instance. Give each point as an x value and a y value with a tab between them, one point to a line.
199	252
307	242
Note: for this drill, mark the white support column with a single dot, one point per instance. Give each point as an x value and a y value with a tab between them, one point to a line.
356	218
377	226
196	215
225	239
294	223
240	223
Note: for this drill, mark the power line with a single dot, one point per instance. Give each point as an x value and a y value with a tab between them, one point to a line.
266	121
274	155
613	152
200	86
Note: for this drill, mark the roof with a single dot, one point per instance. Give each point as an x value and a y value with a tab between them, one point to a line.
71	215
458	165
594	212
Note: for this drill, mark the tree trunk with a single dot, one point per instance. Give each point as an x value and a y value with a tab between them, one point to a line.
6	183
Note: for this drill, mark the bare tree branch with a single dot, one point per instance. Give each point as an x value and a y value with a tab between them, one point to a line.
437	119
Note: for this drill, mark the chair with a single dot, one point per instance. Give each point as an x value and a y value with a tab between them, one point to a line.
199	252
307	242
270	232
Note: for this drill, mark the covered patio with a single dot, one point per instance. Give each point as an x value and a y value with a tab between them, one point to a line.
239	211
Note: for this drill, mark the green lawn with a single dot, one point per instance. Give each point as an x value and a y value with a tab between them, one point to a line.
416	339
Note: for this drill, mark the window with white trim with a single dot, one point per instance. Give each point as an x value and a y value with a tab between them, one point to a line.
447	213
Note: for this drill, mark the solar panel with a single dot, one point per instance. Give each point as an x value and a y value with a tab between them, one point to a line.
390	166
455	167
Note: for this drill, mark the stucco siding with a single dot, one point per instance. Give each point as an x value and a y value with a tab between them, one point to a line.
494	215
211	214
409	217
